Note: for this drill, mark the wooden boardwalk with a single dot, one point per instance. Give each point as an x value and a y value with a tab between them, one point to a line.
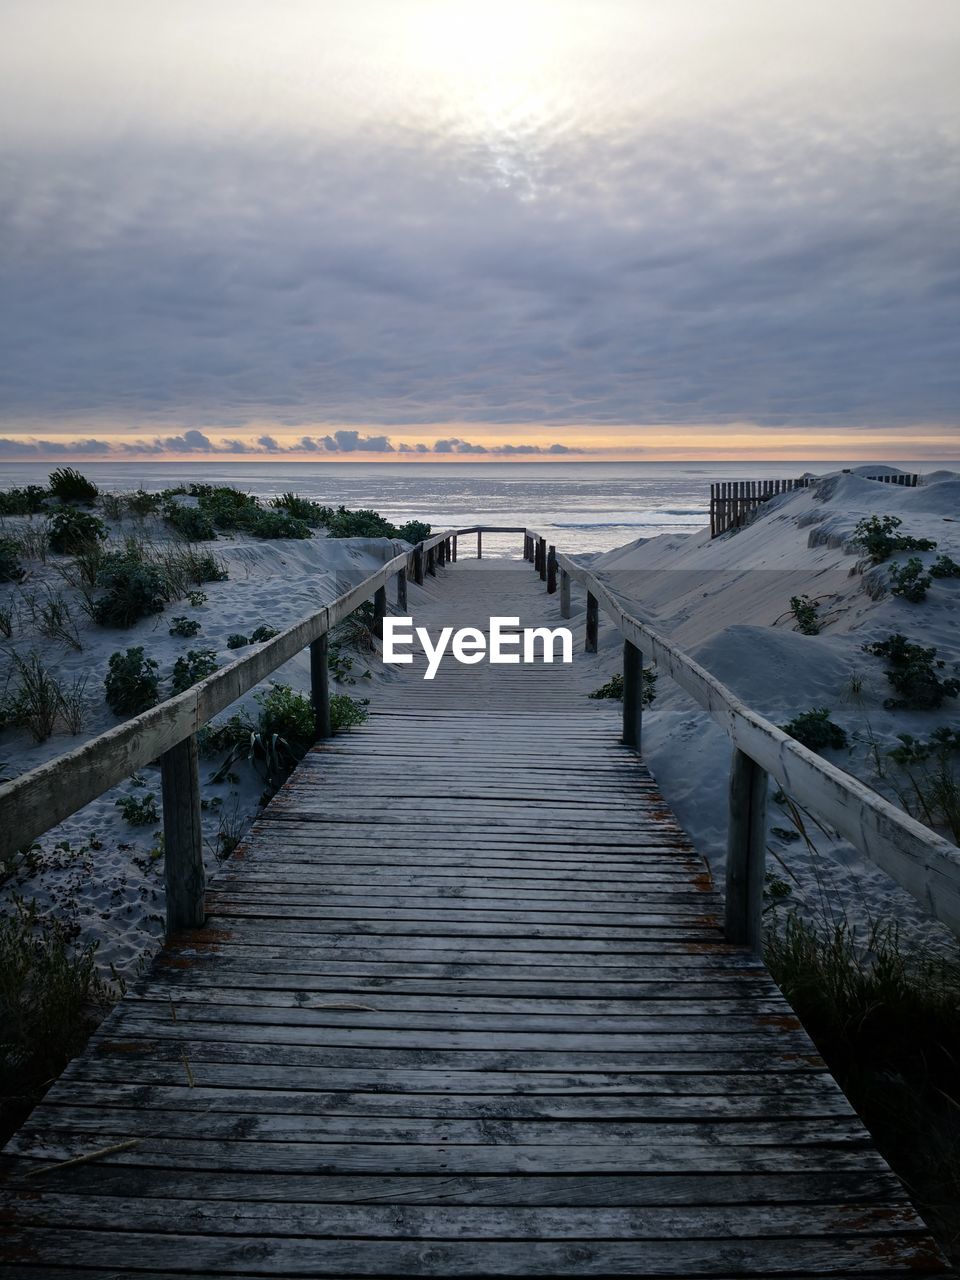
462	1008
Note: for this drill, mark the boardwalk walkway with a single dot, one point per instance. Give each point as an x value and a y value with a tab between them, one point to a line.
462	1008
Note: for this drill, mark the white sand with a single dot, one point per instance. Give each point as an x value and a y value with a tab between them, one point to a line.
723	600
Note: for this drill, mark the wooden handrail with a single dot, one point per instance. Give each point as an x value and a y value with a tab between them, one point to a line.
37	800
919	860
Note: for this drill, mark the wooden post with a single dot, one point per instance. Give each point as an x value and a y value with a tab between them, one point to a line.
746	848
402	590
182	836
564	594
418	564
526	546
543	560
632	694
320	686
479	545
593	624
379	610
454	548
432	561
551	570
536	554
448	551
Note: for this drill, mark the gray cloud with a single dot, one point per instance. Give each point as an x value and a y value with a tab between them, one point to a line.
196	442
749	269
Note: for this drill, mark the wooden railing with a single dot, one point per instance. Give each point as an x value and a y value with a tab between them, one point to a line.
918	859
922	862
36	801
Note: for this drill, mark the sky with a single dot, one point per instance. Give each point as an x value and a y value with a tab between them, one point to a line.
427	229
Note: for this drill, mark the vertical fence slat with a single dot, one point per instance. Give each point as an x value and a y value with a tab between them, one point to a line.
402	590
632	694
479	545
320	686
593	624
564	594
746	852
182	836
543	559
551	569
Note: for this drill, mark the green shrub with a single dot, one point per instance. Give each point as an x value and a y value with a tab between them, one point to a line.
805	612
359	524
28	501
311	513
263	632
944	567
197	598
71	532
11	569
197	665
943	742
346	711
70	486
190	522
186	627
278	524
614	688
288	714
132	684
413	531
816	730
134	589
139	811
206	567
879	538
143	504
909	581
237	641
51	999
912	671
216	737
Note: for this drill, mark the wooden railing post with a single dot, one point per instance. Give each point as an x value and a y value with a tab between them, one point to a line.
479	545
402	590
543	560
632	694
432	561
418	564
564	594
527	547
182	836
454	545
320	686
593	624
746	852
551	570
536	554
379	610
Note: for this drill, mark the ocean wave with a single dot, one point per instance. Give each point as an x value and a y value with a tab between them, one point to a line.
651	520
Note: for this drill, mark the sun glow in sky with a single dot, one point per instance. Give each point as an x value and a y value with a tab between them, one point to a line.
623	228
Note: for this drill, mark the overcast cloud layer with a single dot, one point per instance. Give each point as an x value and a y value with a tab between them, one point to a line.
595	245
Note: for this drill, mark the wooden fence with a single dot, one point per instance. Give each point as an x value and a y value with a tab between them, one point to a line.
733	502
918	859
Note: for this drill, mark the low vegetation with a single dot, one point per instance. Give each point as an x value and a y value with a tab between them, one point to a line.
68	485
139	811
887	1021
186	627
805	613
189	669
879	538
913	671
11	570
71	531
132	684
614	688
816	730
51	998
910	581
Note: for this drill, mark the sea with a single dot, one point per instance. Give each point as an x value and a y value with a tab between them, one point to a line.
582	507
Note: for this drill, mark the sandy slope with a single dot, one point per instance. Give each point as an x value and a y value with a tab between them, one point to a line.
725	601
